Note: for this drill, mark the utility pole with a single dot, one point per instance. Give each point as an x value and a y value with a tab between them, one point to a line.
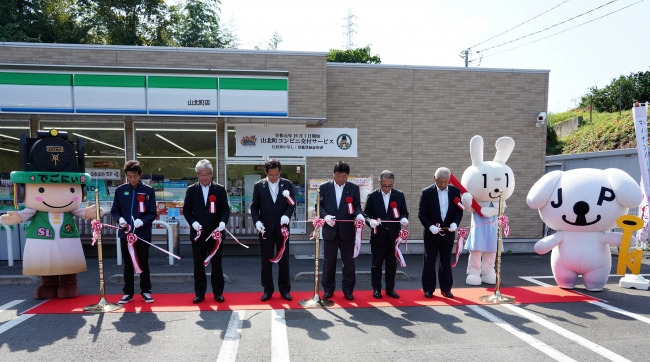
349	29
466	57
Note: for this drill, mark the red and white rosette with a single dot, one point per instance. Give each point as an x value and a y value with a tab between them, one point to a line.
348	200
285	235
213	204
402	237
216	235
141	203
198	234
318	224
462	236
96	227
393	206
503	221
458	203
131	238
358	224
290	200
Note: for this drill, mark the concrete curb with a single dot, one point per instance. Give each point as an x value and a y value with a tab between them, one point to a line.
361	275
163	278
19	279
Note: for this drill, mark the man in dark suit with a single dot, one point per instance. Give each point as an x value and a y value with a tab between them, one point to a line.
340	200
379	205
206	209
438	211
270	210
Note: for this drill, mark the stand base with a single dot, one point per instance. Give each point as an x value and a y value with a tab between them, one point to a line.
315	302
102	307
497	298
634	281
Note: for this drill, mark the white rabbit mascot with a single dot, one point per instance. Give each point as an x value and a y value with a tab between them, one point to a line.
582	205
483	182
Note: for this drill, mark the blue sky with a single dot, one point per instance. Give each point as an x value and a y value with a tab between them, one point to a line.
433	32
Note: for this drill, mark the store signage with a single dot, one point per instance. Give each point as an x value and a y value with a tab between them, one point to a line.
282	141
103	173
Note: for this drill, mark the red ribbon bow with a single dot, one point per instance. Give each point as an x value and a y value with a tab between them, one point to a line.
213	207
348	200
141	203
141	198
212	198
285	234
96	227
393	206
402	236
462	236
216	235
318	224
131	238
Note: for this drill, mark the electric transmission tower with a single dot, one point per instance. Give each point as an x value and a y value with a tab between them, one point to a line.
349	29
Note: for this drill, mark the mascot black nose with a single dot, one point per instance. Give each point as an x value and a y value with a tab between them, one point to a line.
496	190
581	208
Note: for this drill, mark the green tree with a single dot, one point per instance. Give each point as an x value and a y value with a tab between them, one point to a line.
199	25
18	20
61	22
359	55
635	87
275	40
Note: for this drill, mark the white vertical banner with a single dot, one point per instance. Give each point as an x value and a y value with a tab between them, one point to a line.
640	114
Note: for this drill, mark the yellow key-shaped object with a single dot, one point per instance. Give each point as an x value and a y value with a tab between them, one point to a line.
627	259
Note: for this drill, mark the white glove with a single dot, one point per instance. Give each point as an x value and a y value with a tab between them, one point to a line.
489	211
453	227
196	226
467	200
404	221
374	223
284	220
260	227
434	229
137	223
330	220
222	226
122	222
360	217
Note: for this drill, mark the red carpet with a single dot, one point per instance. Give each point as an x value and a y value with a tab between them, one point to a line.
363	299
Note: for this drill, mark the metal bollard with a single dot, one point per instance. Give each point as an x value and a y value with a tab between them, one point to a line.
175	224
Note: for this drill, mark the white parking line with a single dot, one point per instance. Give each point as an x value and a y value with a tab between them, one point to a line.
230	343
14	322
279	340
10	304
532	341
566	334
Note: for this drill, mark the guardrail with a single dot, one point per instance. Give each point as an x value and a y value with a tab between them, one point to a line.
170	242
10	246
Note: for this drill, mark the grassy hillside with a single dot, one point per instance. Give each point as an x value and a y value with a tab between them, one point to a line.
606	131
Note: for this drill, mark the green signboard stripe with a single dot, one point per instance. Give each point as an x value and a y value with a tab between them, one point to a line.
36	79
183	82
92	80
253	84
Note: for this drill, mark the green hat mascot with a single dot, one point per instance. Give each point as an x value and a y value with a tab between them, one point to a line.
52	185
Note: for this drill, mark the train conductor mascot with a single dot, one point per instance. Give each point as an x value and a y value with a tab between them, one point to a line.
52	185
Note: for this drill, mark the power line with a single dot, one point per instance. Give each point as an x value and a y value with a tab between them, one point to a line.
521	23
560	32
552	26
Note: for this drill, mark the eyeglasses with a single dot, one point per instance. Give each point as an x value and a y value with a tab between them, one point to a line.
386	186
204	174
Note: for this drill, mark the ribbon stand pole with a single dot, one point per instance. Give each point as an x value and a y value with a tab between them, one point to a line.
103	305
315	301
497	298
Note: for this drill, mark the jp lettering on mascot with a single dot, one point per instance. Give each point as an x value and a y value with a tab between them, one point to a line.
483	181
52	185
582	205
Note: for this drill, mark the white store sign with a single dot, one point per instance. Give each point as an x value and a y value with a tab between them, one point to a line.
285	141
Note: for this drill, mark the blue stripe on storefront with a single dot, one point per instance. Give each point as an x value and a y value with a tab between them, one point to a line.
116	111
48	110
272	114
159	111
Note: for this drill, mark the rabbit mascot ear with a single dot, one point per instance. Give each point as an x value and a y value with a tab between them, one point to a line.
476	150
504	146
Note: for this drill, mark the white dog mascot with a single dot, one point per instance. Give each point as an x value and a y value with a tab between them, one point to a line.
484	181
582	205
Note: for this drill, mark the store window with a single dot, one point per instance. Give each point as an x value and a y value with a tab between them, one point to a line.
10	132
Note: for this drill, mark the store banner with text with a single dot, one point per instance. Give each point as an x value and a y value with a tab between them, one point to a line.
285	141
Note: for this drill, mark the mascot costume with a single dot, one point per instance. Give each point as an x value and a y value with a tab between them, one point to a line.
483	181
52	184
582	205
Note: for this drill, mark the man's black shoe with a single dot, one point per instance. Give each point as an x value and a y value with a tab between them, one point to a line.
266	296
391	293
219	298
197	299
286	296
428	295
377	293
349	296
328	295
447	294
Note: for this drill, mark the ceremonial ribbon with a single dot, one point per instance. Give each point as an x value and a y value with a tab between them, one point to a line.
318	224
229	233
402	236
393	205
358	224
288	197
216	235
131	238
503	221
285	235
96	227
213	207
462	235
458	203
349	202
375	228
198	234
141	203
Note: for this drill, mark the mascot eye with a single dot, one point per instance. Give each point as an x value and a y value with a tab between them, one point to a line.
72	190
41	190
484	181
